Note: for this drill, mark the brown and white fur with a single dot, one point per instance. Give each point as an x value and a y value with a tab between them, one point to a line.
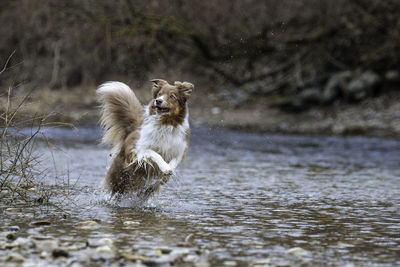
148	142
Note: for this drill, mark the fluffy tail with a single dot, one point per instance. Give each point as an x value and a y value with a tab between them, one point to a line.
121	112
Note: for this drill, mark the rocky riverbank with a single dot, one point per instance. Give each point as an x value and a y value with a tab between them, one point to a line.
378	116
45	250
349	104
30	236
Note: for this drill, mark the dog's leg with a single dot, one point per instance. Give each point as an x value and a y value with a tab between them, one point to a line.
157	159
174	163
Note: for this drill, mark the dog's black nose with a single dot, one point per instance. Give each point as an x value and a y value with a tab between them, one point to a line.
158	102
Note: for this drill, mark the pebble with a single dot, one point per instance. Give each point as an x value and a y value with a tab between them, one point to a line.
175	254
104	252
87	225
46	245
12	210
191	258
84	255
14	257
27	215
13	228
42	237
282	263
100	242
131	223
59	252
73	248
44	254
11	236
132	257
263	262
297	251
76	264
20	242
165	250
159	252
202	264
104	249
40	223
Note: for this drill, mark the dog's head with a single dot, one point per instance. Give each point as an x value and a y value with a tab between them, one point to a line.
169	100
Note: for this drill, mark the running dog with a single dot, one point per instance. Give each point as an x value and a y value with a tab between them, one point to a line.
148	141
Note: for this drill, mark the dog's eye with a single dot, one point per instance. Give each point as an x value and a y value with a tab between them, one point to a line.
172	96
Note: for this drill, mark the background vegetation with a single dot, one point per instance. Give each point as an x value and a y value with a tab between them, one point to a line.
240	51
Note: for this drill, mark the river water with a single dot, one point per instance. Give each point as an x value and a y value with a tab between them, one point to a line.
241	198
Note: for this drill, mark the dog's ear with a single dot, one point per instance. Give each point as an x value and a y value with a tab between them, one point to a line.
185	87
157	84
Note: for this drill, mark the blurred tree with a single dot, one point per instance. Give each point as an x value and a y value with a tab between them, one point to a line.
258	47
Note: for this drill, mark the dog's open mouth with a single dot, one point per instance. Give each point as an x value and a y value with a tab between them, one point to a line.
161	110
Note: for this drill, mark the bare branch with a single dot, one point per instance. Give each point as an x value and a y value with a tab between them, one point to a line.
8	60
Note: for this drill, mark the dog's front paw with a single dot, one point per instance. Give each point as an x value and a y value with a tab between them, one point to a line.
166	169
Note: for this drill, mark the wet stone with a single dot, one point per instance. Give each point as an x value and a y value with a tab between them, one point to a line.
59	252
13	210
100	242
87	225
262	262
104	250
76	247
202	264
76	264
42	237
297	251
191	258
165	250
27	215
13	228
133	257
40	223
282	263
20	242
83	256
44	254
11	236
46	245
131	223
175	254
14	258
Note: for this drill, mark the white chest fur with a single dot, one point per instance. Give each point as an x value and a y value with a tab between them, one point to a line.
166	140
